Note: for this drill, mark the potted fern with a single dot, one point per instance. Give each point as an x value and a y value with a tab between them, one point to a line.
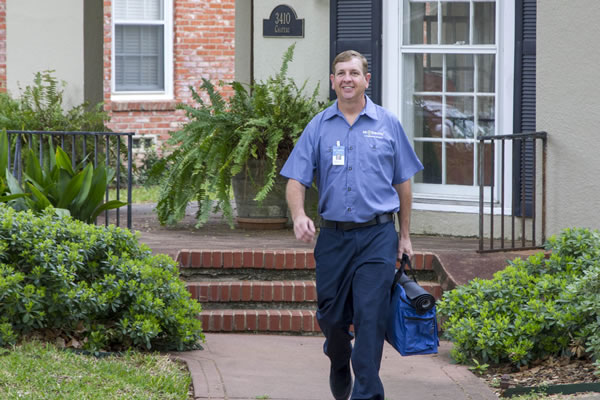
243	139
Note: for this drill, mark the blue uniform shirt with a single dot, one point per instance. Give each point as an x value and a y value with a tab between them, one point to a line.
372	155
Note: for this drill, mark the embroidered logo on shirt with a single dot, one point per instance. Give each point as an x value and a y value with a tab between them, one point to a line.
373	134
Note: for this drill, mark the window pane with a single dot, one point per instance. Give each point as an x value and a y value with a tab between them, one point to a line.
430	155
486	115
427	116
455	23
139	57
486	72
428	73
423	23
484	31
138	10
459	169
460	77
459	117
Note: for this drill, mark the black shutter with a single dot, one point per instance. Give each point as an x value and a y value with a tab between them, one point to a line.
356	25
524	106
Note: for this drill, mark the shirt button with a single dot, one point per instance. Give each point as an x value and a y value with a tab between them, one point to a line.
349	189
349	209
349	168
350	147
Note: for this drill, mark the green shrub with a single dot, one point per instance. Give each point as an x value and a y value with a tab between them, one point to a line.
95	284
77	191
522	314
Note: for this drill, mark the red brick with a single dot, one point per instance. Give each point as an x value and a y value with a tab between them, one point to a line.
227	259
225	292
246	291
277	291
215	291
217	259
196	259
310	260
193	289
428	263
296	321
236	291
248	259
239	321
274	320
267	293
258	259
205	320
299	291
257	289
206	259
279	260
288	291
183	257
311	291
286	320
308	321
290	260
252	320
269	259
238	259
417	261
263	320
203	293
301	259
227	324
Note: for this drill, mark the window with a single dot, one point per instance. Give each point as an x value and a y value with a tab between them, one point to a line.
142	47
452	88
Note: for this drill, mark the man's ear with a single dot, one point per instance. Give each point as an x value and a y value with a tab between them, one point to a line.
368	78
332	79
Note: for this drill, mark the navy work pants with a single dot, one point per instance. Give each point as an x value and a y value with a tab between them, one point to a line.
355	270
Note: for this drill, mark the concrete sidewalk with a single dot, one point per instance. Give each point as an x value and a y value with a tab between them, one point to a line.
250	367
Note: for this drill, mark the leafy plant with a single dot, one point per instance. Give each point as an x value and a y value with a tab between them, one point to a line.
75	191
262	122
526	312
97	286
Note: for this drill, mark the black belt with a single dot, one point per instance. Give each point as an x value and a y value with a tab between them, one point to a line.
380	219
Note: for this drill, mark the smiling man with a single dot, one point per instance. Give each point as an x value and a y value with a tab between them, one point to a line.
362	162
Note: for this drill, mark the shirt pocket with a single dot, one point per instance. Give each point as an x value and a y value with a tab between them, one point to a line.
376	156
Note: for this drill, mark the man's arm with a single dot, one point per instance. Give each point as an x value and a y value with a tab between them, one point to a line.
304	227
405	195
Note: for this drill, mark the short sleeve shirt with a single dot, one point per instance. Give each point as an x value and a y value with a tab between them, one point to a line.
355	167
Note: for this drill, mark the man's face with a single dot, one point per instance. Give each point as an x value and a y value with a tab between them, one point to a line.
348	81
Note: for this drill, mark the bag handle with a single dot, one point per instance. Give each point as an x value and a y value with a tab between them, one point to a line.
404	261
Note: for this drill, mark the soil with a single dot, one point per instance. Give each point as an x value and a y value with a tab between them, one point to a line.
552	371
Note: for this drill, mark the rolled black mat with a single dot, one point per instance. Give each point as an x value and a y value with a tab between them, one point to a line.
419	298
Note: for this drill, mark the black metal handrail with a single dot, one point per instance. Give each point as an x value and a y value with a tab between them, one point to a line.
17	168
527	142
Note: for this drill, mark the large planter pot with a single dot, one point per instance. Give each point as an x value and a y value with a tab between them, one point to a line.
271	213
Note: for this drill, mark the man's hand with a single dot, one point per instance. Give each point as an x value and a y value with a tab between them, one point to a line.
304	229
404	247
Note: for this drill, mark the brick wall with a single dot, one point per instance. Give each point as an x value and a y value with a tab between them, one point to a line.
2	45
204	32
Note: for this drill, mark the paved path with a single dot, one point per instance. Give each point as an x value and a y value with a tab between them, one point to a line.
251	367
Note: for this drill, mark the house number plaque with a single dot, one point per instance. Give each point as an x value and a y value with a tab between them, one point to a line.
283	22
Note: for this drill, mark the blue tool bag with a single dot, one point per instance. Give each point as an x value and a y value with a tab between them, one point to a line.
412	324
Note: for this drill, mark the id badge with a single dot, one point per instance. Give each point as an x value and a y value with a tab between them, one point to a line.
338	155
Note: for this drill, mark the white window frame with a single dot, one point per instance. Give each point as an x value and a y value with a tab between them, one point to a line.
159	95
440	197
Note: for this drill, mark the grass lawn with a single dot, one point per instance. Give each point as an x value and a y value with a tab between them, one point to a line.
139	194
35	370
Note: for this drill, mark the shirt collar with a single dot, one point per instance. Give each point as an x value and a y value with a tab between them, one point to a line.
369	110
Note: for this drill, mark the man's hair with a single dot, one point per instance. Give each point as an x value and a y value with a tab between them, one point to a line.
347	56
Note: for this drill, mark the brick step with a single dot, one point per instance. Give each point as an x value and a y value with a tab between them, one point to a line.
264	321
268	291
267	259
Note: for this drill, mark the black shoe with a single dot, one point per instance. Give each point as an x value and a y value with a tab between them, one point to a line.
340	383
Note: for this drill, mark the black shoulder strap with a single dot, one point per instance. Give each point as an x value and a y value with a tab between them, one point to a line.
404	261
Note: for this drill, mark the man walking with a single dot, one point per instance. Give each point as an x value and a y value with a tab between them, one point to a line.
362	162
